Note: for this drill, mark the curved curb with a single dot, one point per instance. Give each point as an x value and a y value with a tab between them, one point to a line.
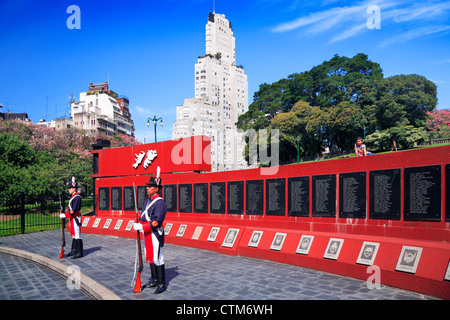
89	285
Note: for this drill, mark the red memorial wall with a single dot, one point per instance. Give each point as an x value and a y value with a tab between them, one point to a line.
379	218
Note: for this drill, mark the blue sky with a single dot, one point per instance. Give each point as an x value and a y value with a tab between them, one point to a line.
148	48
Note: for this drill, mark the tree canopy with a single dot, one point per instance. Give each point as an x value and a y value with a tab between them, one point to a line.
39	160
336	101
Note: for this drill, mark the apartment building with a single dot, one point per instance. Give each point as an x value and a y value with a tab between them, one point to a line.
101	110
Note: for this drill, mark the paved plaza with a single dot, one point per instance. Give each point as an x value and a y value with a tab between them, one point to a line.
192	274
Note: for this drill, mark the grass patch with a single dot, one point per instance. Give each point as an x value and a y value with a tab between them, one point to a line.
37	219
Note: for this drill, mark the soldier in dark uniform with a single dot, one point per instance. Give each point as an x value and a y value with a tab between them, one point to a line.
74	216
151	223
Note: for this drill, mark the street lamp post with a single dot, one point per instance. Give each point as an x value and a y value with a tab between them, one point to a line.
298	149
155	120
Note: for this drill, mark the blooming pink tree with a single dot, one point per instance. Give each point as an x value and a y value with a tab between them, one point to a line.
66	142
441	122
58	155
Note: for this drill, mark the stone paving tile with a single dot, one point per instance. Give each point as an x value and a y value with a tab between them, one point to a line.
21	279
192	274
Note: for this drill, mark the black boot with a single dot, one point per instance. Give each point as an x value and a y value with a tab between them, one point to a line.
153	281
161	273
79	249
72	250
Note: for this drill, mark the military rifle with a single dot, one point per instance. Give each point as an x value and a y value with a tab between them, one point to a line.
63	222
137	285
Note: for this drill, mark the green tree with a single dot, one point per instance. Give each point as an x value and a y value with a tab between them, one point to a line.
267	102
40	160
304	121
335	87
16	158
334	81
405	136
345	98
15	151
404	100
343	122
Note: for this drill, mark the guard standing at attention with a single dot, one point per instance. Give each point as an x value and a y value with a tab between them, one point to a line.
151	224
74	216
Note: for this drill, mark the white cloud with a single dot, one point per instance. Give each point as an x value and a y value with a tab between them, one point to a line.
321	21
424	10
140	110
442	61
438	82
350	32
415	33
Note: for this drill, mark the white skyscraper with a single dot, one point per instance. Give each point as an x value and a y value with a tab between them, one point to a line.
221	96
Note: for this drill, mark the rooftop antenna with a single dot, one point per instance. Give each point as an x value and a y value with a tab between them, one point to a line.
214	6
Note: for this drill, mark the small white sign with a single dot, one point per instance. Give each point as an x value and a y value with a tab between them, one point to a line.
333	249
254	240
197	233
230	238
409	259
85	222
304	244
447	273
368	253
129	225
96	223
107	223
118	224
167	229
181	230
278	241
213	234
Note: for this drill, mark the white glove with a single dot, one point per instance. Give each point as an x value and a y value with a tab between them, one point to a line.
62	215
138	227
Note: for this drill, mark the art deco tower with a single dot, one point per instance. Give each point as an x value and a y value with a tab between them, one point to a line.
221	96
